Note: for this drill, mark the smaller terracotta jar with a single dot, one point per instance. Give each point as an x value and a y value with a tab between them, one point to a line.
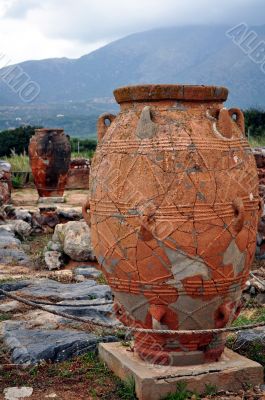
50	154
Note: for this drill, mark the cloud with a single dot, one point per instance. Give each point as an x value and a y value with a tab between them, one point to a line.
90	20
75	27
20	8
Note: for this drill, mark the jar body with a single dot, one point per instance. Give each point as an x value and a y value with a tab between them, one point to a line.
174	212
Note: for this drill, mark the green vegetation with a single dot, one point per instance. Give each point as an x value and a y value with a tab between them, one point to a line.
255	122
87	373
5	317
101	280
257	141
17	181
126	389
210	390
36	249
182	393
250	316
83	145
255	350
83	148
16	140
14	147
19	162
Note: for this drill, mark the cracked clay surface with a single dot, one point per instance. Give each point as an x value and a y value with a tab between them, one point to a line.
174	211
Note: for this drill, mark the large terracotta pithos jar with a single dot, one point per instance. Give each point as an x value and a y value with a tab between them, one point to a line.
174	208
49	155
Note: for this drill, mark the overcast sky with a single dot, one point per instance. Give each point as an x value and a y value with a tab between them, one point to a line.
36	29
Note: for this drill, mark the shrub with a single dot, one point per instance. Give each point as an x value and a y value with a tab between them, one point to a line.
16	140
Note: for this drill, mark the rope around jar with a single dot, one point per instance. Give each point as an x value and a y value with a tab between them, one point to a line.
93	324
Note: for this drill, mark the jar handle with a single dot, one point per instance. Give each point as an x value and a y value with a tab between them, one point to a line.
239	210
86	215
101	125
223	121
240	119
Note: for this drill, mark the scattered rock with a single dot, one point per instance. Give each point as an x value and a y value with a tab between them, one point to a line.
33	346
40	319
54	259
262	388
75	239
254	286
54	246
102	313
11	251
10	306
88	272
247	339
13	256
71	240
23	214
56	291
8	239
12	286
260	298
22	228
69	215
16	393
49	216
79	278
252	290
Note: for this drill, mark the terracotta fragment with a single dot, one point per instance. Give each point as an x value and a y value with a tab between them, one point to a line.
174	207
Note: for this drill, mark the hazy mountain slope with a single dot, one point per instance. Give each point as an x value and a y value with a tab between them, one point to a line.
197	55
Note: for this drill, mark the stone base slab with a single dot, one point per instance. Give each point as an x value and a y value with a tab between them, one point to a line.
155	382
51	200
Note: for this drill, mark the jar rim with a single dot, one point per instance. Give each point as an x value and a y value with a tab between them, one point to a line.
170	92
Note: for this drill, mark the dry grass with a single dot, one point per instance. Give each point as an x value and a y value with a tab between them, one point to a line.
20	162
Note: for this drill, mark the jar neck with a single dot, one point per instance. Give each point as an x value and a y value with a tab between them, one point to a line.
177	105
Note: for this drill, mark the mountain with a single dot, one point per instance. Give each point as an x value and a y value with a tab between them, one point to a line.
191	54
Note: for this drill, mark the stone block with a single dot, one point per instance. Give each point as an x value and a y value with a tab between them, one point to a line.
155	382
